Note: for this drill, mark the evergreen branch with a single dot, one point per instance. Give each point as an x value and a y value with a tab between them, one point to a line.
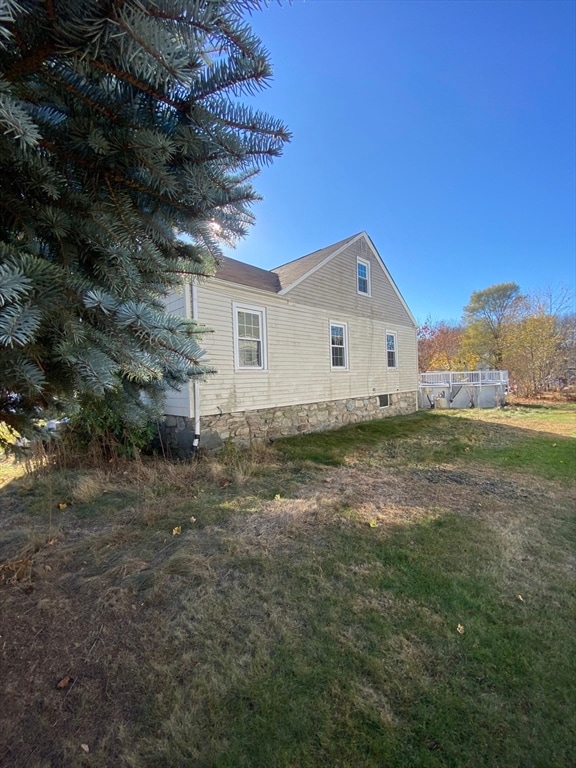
18	325
13	283
15	120
74	158
20	373
254	125
145	190
224	78
139	84
77	93
248	45
156	55
120	210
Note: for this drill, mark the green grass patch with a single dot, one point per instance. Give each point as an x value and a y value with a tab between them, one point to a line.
548	457
332	448
506	439
368	666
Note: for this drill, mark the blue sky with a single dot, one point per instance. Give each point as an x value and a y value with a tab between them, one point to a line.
445	129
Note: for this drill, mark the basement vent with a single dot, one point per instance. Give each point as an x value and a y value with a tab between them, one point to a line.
383	401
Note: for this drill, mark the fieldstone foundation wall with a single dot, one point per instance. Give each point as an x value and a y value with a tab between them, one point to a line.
270	423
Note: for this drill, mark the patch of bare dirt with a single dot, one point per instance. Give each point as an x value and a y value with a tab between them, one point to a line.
386	496
60	653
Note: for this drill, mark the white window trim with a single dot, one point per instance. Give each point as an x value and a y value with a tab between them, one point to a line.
263	324
395	335
339	324
368	277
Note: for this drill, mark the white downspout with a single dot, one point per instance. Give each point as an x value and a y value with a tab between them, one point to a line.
195	383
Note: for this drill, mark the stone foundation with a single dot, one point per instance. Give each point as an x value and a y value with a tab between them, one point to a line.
268	424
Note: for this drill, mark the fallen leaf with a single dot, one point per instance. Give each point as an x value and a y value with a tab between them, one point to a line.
373	523
177	530
460	629
85	747
64	682
277	497
192	519
520	598
62	505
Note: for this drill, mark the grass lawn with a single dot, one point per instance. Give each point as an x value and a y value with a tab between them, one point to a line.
395	594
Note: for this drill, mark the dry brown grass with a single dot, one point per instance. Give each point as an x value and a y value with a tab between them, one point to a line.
160	632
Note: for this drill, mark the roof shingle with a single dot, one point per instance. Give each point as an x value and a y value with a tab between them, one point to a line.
279	278
233	271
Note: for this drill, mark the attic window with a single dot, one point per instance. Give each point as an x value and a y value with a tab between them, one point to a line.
363	276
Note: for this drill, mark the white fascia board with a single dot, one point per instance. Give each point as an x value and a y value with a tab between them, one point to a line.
389	276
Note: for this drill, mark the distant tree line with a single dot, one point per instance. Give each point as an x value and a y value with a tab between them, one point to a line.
533	337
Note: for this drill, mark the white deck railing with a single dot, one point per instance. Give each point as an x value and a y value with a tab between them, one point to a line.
472	378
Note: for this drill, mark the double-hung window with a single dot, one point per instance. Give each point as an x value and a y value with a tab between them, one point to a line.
391	349
339	345
363	277
250	337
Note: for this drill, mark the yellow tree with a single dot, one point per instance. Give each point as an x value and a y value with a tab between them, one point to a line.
535	346
485	317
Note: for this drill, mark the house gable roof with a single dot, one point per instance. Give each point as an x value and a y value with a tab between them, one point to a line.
281	280
294	271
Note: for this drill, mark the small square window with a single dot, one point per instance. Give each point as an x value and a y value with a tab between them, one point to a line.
383	401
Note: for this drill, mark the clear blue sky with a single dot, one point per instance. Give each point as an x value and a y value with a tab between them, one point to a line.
445	129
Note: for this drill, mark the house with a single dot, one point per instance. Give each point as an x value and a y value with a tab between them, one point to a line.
319	342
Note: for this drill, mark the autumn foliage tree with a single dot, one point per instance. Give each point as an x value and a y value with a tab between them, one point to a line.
486	316
533	337
440	347
538	346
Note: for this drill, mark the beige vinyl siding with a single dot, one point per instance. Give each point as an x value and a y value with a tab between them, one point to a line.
335	285
407	358
298	352
179	402
175	303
